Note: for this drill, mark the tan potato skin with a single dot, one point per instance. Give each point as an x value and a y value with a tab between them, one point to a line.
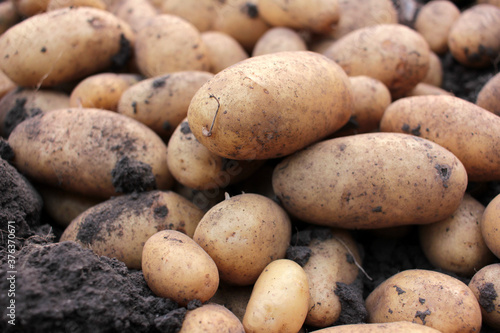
77	149
270	106
279	39
412	181
435	74
211	318
425	297
425	89
32	54
394	327
489	96
8	16
490	225
467	130
224	50
484	284
57	4
200	13
136	13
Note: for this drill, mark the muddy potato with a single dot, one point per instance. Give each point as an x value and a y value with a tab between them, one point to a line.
38	52
175	267
270	106
425	297
490	225
243	234
91	151
279	39
485	285
8	16
161	102
392	53
223	50
489	96
473	38
136	13
425	89
435	74
412	181
394	327
456	243
211	318
467	130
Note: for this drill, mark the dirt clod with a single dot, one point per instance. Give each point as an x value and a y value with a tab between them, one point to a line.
130	175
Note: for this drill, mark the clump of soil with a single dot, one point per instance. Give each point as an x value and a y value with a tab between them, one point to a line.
130	176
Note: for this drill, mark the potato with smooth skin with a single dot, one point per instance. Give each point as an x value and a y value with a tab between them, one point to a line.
412	181
243	234
485	285
270	106
425	89
279	300
489	96
136	13
467	130
175	267
394	327
8	16
279	39
490	225
91	151
200	13
425	297
211	318
223	50
37	52
435	74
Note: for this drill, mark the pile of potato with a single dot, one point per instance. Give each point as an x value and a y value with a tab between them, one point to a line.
132	117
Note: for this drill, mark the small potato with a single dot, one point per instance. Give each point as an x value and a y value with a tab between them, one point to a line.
279	300
175	267
162	102
58	4
456	243
200	13
211	318
425	297
490	225
434	22
473	39
489	96
425	89
136	13
8	16
101	91
243	234
223	50
394	327
279	39
435	74
27	8
235	298
485	285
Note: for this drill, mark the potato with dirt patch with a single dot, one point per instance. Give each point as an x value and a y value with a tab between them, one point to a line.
490	225
485	285
211	318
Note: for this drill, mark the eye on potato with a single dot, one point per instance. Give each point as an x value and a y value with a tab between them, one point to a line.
490	225
223	50
279	39
489	96
211	318
485	285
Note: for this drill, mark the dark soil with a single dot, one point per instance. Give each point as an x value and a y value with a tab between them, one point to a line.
130	176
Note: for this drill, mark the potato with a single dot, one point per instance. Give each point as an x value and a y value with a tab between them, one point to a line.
203	199
485	285
425	297
434	22
394	327
279	39
33	54
193	165
270	106
490	225
456	243
8	16
27	8
318	16
90	151
279	300
435	74
162	102
211	318
167	44
491	2
175	267
58	4
136	13
101	91
6	84
392	53
467	130
223	50
489	96
234	298
371	181
473	38
200	13
425	89
243	234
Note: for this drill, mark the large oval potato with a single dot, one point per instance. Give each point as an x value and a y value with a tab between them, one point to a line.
394	327
91	151
371	181
485	285
270	106
37	52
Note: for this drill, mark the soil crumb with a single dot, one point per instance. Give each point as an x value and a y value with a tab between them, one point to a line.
130	175
352	303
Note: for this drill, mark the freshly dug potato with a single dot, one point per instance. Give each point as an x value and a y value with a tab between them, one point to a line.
435	74
211	318
371	181
175	267
136	13
243	234
91	151
223	50
434	22
318	16
394	327
234	298
279	39
489	96
456	243
425	297
167	44
473	38
33	54
490	225
425	89
194	166
102	91
467	130
485	285
279	300
270	106
392	53
58	4
119	227
162	102
200	13
8	16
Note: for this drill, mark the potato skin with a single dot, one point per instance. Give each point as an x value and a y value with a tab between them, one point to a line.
489	96
425	297
211	318
394	327
279	39
490	225
270	106
485	285
412	181
223	49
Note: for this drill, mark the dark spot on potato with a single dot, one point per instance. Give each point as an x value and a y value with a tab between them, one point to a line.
342	147
399	290
405	128
185	129
161	212
421	300
194	304
377	209
299	254
487	296
250	9
416	131
134	107
123	55
444	172
160	82
130	175
349	258
6	152
43	49
422	315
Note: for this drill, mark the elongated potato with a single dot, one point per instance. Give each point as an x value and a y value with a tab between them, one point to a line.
371	181
270	106
394	327
38	52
